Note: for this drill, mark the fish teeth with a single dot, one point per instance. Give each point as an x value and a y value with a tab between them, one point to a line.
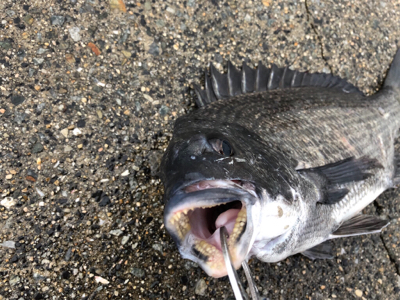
206	248
180	221
238	227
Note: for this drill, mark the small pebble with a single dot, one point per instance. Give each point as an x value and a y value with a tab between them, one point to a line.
14	280
38	61
125	173
8	244
8	202
37	148
116	232
81	123
157	247
118	5
95	49
137	272
125	239
64	132
17	99
40	193
201	287
57	20
29	19
101	280
358	293
74	33
154	49
127	54
77	132
70	58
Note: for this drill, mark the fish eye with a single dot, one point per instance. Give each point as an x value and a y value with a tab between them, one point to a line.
221	146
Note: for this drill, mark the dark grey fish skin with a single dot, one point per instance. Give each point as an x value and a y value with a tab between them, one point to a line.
287	161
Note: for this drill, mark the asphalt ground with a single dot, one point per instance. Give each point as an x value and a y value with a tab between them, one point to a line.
89	92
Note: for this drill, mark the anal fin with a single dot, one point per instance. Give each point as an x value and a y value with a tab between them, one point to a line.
360	224
321	251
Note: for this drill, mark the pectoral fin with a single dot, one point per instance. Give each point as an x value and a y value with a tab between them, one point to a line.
328	178
360	224
321	251
348	170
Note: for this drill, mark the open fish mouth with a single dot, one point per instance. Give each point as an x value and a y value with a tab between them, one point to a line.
195	214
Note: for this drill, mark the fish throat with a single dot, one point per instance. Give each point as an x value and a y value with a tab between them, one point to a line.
214	217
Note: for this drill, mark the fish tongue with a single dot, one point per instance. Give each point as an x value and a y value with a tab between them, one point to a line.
226	219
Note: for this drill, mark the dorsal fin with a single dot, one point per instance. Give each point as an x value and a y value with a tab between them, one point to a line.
249	80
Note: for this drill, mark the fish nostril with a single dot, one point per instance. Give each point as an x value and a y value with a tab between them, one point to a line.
198	145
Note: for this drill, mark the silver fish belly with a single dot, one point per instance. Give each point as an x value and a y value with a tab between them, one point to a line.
284	160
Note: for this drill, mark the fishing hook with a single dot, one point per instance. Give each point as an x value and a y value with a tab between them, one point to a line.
237	286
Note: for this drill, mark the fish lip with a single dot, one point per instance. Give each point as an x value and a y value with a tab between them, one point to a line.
232	183
209	197
230	193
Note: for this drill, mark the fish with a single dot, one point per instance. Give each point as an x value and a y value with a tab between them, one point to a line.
284	160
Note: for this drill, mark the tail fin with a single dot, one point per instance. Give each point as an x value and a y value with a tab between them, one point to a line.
393	77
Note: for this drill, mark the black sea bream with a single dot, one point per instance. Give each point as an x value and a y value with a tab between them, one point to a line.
285	160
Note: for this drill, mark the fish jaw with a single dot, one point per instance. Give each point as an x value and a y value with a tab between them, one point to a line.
195	214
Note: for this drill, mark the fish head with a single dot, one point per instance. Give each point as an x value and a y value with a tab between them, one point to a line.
216	175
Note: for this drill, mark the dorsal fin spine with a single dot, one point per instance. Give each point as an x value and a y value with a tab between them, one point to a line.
271	76
282	81
293	79
249	80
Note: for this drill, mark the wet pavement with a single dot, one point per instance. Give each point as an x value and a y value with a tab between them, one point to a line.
89	92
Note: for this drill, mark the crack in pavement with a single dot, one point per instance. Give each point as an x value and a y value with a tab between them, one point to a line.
391	255
310	20
314	28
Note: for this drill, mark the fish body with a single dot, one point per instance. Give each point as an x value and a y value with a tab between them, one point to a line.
284	160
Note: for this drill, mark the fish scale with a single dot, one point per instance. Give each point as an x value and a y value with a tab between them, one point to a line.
300	155
348	124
